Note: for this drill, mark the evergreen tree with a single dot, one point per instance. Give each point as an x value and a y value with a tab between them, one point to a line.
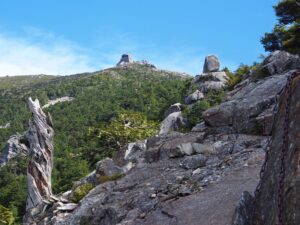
286	34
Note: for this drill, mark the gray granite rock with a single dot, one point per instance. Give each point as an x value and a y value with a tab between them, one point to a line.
266	209
194	97
173	108
211	64
193	162
242	110
172	123
280	61
107	167
211	81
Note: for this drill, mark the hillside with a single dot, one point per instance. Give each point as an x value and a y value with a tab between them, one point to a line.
141	145
10	82
98	98
175	177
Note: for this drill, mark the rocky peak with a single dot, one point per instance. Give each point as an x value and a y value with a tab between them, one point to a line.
125	59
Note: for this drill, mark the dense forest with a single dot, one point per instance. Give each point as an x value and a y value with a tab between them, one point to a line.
102	101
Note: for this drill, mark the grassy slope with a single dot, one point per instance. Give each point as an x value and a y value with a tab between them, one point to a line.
10	82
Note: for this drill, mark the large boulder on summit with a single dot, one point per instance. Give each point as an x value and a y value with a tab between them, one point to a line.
211	64
280	61
125	59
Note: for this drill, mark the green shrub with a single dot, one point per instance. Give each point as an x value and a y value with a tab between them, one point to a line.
110	137
214	97
194	116
237	76
81	191
6	216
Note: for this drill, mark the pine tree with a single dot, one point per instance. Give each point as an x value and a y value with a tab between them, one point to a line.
286	34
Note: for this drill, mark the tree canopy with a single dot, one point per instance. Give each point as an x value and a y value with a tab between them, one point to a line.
286	34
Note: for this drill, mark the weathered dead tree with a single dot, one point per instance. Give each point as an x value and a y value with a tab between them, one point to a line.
40	138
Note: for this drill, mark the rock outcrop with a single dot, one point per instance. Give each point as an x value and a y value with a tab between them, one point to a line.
173	119
16	145
173	108
172	122
211	64
194	97
248	108
279	61
211	81
125	59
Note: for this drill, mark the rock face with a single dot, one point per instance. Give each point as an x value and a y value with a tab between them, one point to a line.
279	61
242	111
168	185
40	139
172	123
125	59
16	145
248	108
211	64
266	209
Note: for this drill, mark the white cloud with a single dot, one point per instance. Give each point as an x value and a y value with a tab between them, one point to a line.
19	56
43	52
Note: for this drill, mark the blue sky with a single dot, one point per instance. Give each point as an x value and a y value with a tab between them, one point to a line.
70	36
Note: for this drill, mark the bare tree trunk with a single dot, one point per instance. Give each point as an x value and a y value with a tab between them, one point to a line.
40	138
